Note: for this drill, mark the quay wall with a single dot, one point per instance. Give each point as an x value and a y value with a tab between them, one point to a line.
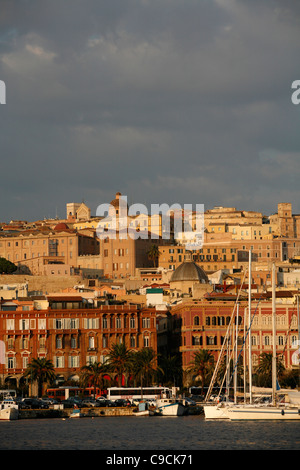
65	413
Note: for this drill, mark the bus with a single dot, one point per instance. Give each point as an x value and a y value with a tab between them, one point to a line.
8	394
138	393
64	392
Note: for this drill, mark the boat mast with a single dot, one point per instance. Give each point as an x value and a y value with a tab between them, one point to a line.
249	325
274	333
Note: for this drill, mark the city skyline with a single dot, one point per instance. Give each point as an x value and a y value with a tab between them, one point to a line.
167	102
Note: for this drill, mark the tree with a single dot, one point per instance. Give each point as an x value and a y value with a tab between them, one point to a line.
92	375
264	369
171	369
153	254
42	371
202	365
7	267
120	360
145	365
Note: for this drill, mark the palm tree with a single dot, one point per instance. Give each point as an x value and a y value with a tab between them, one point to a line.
171	369
42	371
120	360
202	365
92	374
264	368
153	254
145	364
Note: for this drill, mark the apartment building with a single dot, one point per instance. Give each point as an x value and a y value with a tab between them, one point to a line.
70	332
34	250
204	325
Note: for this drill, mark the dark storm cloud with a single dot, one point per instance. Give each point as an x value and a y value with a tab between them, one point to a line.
165	101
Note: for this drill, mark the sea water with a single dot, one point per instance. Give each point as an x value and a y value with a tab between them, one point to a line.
181	434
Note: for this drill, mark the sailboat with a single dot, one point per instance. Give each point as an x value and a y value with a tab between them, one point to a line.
264	411
218	410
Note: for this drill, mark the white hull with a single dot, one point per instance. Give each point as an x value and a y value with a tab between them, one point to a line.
263	413
75	414
142	413
9	414
216	411
294	398
170	408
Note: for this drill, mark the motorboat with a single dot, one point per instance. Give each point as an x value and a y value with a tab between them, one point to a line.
144	409
170	407
76	413
9	410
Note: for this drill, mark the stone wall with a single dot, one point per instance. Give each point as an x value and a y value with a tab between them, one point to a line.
45	284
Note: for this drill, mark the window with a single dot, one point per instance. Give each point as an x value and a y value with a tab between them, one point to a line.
91	342
10	324
146	322
132	322
42	323
59	362
73	342
11	362
73	361
104	322
58	342
196	321
146	341
118	322
24	324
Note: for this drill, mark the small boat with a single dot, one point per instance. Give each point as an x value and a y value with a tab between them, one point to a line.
76	413
144	409
9	410
170	407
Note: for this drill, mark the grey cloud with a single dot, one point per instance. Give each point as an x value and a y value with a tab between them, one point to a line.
163	100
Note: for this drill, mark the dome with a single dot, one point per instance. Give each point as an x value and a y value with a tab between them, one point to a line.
61	226
189	271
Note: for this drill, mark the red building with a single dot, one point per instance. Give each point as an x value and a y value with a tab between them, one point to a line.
204	326
70	332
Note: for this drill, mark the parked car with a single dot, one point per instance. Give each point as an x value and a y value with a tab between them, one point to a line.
32	403
121	402
51	401
90	402
72	402
105	402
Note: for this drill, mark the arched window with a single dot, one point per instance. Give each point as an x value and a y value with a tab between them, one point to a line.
196	321
207	321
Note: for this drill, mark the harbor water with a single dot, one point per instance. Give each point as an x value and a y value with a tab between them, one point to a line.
187	433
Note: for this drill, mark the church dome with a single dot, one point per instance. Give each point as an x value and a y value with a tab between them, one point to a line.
189	271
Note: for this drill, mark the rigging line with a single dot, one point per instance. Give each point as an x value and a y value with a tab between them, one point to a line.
244	342
287	335
224	343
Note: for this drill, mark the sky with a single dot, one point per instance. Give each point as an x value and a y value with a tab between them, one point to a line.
167	101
